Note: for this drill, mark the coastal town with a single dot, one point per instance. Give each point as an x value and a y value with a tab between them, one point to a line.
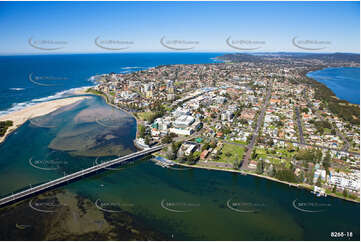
264	118
180	121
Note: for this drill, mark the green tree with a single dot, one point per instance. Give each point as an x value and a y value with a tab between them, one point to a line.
344	193
254	154
272	171
147	140
141	131
213	145
205	146
236	164
318	183
196	155
326	161
228	154
171	155
286	175
270	142
260	167
190	159
305	110
226	131
167	139
317	155
4	125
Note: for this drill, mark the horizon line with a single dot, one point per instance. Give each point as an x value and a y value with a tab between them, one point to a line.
173	52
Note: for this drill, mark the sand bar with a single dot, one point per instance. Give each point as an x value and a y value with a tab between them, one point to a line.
37	110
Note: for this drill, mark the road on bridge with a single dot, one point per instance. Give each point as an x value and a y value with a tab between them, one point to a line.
75	175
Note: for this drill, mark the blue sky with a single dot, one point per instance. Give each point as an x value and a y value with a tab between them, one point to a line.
271	26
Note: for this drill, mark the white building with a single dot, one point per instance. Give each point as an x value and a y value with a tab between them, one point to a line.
319	173
180	131
183	121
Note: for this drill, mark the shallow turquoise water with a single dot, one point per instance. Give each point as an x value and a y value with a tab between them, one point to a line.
28	158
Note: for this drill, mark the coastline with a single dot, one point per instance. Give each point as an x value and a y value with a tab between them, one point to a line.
37	110
305	74
301	186
337	103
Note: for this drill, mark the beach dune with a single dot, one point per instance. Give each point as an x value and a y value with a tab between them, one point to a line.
37	110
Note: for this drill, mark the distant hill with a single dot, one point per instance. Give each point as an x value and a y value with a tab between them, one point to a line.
241	57
269	56
348	57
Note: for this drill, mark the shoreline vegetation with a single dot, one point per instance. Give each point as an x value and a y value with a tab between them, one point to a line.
18	118
342	108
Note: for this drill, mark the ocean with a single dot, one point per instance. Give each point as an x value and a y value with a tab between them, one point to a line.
140	200
30	79
344	82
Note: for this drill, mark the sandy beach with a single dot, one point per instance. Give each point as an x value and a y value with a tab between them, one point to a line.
20	117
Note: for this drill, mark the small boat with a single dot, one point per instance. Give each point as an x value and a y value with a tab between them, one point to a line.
20	226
